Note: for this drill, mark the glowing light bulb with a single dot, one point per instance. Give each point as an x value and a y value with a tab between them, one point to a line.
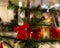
44	6
57	6
20	4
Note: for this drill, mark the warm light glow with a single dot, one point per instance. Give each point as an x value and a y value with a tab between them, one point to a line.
20	4
57	6
44	6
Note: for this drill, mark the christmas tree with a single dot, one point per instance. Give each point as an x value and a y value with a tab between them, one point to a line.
37	21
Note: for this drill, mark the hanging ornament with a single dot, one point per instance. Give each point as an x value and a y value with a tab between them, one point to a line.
36	34
23	35
21	27
22	32
54	33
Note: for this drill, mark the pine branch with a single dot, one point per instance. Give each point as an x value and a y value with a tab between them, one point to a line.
11	5
7	37
35	9
44	25
8	44
39	41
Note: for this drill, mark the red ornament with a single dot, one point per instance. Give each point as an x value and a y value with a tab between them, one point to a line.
23	35
18	28
36	33
26	25
54	33
57	33
15	29
22	32
23	26
36	30
1	45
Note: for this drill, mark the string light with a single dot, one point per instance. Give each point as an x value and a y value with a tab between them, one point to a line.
44	6
57	6
20	4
